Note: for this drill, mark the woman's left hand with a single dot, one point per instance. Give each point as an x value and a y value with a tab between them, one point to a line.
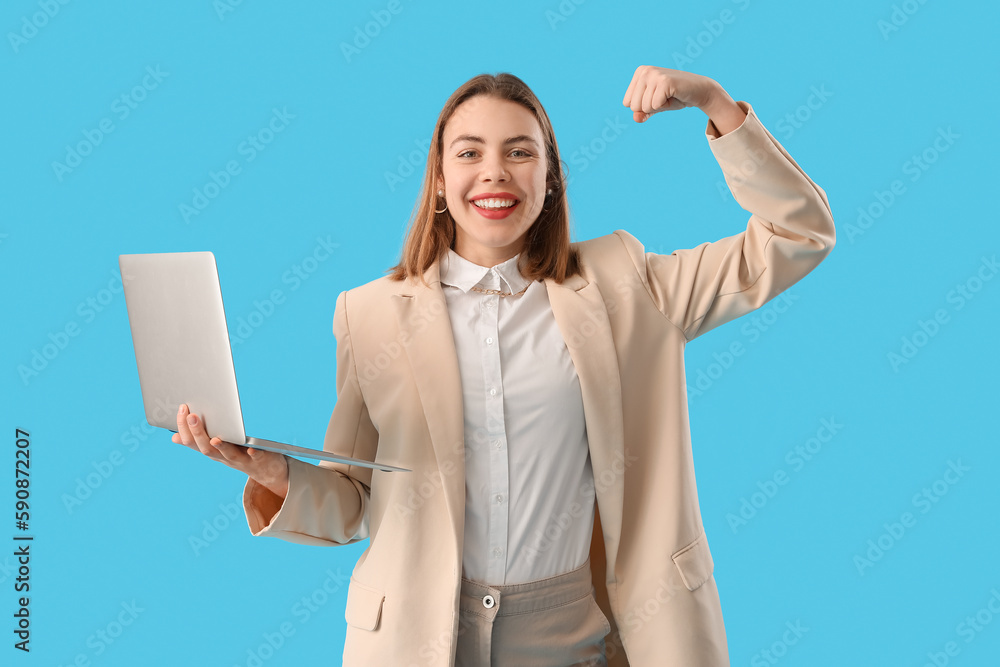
655	89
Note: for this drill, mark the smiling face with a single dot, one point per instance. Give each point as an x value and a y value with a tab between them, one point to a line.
493	147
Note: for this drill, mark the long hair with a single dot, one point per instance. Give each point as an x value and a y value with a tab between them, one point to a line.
546	252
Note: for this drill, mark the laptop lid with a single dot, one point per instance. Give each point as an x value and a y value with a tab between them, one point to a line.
182	349
181	340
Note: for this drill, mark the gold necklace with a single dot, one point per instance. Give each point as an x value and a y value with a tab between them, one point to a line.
498	292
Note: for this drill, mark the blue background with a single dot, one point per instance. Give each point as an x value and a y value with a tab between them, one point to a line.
118	510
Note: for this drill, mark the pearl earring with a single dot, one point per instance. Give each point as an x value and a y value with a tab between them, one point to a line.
441	194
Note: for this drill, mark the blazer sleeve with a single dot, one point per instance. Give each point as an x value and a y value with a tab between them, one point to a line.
326	504
789	233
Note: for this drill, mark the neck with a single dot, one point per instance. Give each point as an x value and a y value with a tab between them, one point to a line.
488	259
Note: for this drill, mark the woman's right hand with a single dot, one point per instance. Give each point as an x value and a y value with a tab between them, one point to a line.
269	469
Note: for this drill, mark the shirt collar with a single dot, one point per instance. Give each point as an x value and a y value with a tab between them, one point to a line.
463	274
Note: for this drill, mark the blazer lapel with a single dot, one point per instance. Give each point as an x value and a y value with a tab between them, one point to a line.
582	318
425	329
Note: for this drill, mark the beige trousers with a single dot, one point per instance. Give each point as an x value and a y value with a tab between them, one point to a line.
553	622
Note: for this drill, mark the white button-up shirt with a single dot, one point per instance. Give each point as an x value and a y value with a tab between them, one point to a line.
529	484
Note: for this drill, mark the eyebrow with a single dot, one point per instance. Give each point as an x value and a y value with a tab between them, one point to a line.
480	140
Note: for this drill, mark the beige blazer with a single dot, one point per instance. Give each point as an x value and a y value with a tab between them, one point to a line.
625	321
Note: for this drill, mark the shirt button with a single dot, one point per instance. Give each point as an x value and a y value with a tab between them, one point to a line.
493	391
498	552
498	444
488	601
489	341
499	498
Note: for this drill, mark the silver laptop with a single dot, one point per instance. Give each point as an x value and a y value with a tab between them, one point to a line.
182	349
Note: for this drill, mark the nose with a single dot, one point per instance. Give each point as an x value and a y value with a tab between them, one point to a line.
493	169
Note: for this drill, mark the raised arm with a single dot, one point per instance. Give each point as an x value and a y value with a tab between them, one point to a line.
790	229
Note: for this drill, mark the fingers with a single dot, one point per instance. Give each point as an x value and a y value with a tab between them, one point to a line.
639	97
268	467
183	435
641	88
192	430
649	98
656	89
191	433
627	100
232	454
636	89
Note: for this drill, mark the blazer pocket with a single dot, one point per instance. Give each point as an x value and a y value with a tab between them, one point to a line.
694	562
364	605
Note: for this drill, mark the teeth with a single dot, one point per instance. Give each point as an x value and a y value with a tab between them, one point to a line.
495	203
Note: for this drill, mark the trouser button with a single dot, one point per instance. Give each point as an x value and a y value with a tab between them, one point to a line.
488	601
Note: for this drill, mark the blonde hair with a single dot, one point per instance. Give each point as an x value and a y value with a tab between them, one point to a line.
546	252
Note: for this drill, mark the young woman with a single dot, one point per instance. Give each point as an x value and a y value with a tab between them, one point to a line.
535	387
